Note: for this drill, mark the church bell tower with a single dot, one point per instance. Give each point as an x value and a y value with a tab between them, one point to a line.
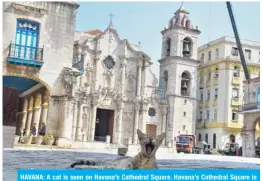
178	74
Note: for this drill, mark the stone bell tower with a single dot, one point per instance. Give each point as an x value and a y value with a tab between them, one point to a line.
178	74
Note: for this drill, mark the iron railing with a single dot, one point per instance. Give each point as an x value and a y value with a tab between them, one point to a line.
250	106
160	93
26	52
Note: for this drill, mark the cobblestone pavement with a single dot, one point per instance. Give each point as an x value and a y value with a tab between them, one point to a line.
32	159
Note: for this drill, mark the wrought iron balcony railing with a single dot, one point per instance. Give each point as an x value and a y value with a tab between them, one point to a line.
250	106
160	93
25	53
185	93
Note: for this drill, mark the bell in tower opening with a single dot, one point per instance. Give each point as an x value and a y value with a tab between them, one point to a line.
185	84
186	47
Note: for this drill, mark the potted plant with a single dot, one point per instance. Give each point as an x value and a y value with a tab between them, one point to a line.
48	139
28	139
38	140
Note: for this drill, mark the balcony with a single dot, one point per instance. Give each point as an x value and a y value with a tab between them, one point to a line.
25	55
235	101
185	93
250	107
160	93
215	81
236	80
80	66
201	104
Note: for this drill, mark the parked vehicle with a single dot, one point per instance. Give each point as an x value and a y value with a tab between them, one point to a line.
207	149
186	143
231	149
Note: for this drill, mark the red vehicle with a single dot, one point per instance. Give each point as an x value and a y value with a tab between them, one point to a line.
185	143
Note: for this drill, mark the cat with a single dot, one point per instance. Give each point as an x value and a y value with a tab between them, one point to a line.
145	159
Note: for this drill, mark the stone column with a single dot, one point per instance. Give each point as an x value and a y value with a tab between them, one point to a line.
93	122
23	121
164	121
65	119
123	70
119	123
144	118
29	115
75	118
139	80
29	120
79	123
44	113
143	82
248	142
36	118
136	123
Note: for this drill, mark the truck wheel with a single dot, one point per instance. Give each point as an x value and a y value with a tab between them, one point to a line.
178	151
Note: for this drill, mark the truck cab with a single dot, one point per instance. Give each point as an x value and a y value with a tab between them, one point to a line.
185	143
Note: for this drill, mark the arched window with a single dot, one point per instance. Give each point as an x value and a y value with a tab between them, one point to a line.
206	138
216	73
199	137
232	138
185	83
214	140
165	76
168	47
236	71
187	47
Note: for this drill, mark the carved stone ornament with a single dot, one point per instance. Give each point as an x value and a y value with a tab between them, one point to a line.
29	9
109	62
69	79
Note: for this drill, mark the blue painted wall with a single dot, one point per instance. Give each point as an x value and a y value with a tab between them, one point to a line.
21	83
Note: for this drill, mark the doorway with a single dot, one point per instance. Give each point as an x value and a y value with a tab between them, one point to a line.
151	129
104	124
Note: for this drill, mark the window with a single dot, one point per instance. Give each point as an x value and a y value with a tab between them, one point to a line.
201	115
215	114
183	127
235	92
234	116
207	114
259	56
209	56
185	101
214	140
184	114
202	96
199	137
216	73
248	54
216	93
217	52
208	95
234	51
236	71
209	76
27	34
168	47
202	57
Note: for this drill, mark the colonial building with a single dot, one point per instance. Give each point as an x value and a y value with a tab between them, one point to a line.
221	89
178	73
82	85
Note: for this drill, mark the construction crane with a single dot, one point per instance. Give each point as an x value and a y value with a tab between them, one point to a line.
239	46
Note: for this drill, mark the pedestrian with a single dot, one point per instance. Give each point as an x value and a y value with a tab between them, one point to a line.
34	130
43	130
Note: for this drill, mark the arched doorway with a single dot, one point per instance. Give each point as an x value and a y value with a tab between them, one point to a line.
199	137
25	103
232	138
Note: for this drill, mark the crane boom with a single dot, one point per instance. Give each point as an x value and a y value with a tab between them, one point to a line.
239	46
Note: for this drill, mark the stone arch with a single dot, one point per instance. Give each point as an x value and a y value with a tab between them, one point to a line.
187	47
29	77
186	83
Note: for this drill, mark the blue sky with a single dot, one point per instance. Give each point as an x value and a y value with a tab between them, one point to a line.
143	21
